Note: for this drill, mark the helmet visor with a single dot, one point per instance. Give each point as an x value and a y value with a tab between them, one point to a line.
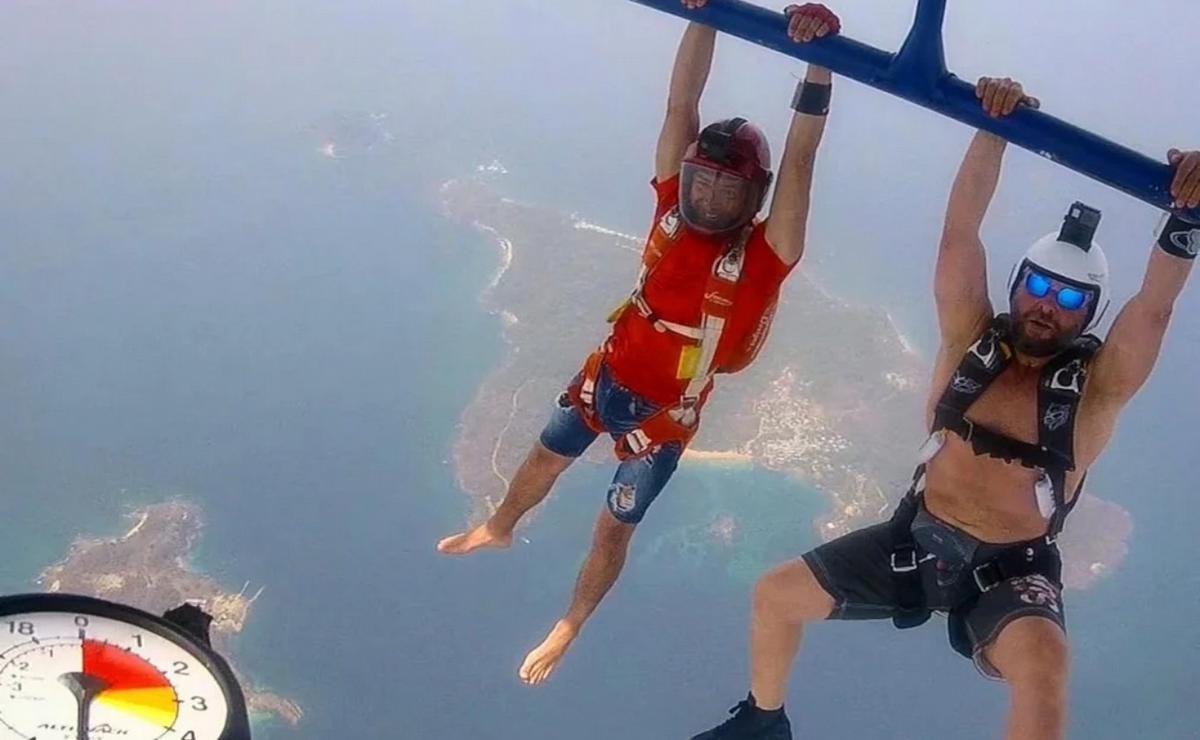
714	200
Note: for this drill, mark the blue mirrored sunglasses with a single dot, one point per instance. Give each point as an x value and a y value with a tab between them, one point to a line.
1068	297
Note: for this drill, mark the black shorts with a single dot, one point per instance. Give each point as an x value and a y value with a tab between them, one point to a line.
856	571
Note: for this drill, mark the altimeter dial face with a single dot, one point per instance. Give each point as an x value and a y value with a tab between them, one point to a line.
67	675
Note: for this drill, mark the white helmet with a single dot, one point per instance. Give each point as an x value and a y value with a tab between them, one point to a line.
1071	256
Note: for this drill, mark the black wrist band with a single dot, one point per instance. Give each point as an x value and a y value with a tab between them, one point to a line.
1179	238
812	98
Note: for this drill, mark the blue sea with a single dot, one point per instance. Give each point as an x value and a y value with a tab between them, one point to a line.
196	302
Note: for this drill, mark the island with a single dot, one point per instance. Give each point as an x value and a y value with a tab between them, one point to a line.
835	399
147	568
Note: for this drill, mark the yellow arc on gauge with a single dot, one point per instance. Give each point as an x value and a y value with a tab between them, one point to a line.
155	705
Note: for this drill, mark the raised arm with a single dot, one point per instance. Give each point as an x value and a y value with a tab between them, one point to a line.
1132	348
960	281
787	220
682	124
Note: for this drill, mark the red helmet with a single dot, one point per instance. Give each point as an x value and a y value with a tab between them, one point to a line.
724	184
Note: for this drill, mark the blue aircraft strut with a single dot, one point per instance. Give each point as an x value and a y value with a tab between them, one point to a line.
918	74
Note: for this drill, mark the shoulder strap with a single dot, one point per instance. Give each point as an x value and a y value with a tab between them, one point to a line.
982	364
720	291
1059	394
657	247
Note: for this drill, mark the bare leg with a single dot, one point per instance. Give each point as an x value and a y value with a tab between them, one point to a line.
785	598
529	486
610	543
1033	656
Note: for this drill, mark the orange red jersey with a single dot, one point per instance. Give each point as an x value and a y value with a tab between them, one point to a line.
652	363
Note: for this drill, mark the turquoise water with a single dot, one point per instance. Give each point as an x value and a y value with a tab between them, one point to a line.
195	302
310	410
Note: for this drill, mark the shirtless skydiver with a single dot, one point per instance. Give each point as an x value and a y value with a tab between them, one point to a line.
1021	406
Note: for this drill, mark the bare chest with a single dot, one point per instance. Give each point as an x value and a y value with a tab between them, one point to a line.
988	496
1008	406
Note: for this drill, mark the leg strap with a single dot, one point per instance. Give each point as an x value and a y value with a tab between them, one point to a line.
1018	561
910	595
676	423
582	391
658	429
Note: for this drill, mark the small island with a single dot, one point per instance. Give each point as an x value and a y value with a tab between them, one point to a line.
836	399
147	568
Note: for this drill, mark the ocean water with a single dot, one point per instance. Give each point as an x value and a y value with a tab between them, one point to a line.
313	426
195	302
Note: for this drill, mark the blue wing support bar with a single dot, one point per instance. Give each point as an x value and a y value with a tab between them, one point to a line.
918	74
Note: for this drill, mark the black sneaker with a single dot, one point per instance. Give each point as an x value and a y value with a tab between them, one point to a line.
750	723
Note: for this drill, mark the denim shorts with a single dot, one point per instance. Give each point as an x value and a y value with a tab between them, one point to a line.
639	480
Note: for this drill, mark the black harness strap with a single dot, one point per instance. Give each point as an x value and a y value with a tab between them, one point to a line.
1059	392
910	596
1025	559
982	364
984	441
1016	562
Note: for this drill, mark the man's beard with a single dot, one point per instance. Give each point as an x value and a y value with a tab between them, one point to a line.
1032	347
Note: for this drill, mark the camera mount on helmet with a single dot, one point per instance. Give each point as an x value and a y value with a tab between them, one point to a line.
1079	226
716	142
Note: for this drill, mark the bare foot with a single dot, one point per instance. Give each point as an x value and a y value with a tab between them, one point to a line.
543	658
465	542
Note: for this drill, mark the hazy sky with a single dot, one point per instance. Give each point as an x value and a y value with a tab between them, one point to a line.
167	234
885	164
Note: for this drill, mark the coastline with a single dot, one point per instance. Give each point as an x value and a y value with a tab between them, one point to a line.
838	416
148	568
725	457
